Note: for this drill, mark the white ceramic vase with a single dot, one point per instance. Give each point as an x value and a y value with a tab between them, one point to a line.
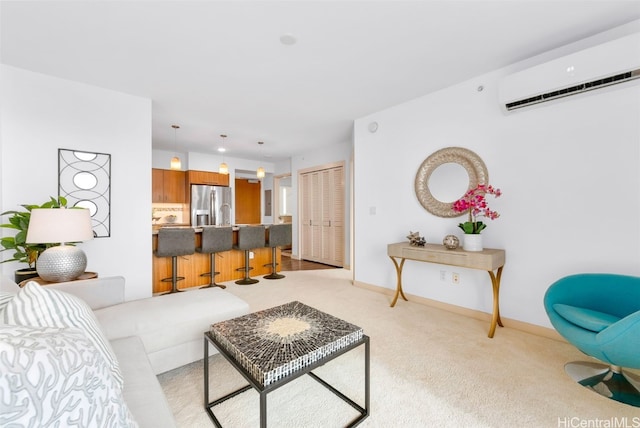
472	242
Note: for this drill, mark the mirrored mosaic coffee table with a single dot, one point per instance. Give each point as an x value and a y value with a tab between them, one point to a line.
271	348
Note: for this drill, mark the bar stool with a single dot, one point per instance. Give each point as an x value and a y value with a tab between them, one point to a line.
279	235
215	239
174	242
249	237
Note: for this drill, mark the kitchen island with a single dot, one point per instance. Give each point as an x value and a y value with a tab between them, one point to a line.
192	266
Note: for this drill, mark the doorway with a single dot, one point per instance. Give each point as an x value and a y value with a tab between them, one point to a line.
282	198
283	203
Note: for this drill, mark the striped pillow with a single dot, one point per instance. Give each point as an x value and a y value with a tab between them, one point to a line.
37	306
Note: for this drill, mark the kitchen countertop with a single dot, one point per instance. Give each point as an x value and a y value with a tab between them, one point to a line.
198	229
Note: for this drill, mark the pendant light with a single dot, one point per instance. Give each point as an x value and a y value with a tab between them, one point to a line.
223	169
260	171
175	161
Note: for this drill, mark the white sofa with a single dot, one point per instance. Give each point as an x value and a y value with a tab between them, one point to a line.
150	336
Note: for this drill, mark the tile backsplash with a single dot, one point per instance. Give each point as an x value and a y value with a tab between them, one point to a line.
169	214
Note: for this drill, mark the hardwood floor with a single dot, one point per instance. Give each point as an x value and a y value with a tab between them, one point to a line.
289	264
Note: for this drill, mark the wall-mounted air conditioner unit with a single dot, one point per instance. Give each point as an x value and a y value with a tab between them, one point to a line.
612	63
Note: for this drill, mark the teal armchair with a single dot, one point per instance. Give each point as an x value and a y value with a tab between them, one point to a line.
600	315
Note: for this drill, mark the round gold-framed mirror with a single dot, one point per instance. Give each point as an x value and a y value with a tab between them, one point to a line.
470	162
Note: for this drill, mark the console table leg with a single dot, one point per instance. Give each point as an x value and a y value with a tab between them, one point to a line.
495	283
399	291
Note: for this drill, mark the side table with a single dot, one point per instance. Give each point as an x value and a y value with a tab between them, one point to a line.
86	275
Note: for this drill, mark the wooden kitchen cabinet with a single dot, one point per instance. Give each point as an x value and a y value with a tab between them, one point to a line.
168	186
207	177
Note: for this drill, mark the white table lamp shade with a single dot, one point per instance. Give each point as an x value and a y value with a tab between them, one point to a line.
57	226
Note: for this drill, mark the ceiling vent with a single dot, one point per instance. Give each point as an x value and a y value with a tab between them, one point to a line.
606	65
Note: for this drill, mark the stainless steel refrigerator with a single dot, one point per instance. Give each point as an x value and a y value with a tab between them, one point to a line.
210	205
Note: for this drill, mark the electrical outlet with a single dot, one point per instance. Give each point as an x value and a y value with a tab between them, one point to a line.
455	277
250	254
443	275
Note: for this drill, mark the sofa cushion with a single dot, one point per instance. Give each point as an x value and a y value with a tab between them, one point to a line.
37	306
586	318
164	322
97	292
142	391
56	377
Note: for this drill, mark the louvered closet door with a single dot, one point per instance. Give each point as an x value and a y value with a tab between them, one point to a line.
305	216
311	235
322	216
332	216
316	218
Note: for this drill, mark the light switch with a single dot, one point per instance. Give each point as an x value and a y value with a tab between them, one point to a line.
372	210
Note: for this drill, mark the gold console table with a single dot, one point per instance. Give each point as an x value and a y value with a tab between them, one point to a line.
489	260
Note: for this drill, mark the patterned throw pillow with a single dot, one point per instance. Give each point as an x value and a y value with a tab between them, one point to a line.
38	306
56	377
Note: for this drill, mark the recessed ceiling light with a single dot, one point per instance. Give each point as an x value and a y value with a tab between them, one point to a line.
222	149
288	39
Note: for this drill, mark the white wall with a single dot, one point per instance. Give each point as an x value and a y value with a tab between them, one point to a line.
40	114
570	176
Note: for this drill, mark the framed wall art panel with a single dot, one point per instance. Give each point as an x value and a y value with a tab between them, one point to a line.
84	179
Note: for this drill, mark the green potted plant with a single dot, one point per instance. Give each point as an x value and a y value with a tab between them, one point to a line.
23	252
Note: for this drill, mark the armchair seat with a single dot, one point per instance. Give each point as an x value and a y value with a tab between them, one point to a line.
585	318
599	314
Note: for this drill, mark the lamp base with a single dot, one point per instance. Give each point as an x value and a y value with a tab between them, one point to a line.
61	263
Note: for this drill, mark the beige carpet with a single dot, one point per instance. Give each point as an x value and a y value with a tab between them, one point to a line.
429	368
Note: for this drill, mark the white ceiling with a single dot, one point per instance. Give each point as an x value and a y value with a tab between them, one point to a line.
217	67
